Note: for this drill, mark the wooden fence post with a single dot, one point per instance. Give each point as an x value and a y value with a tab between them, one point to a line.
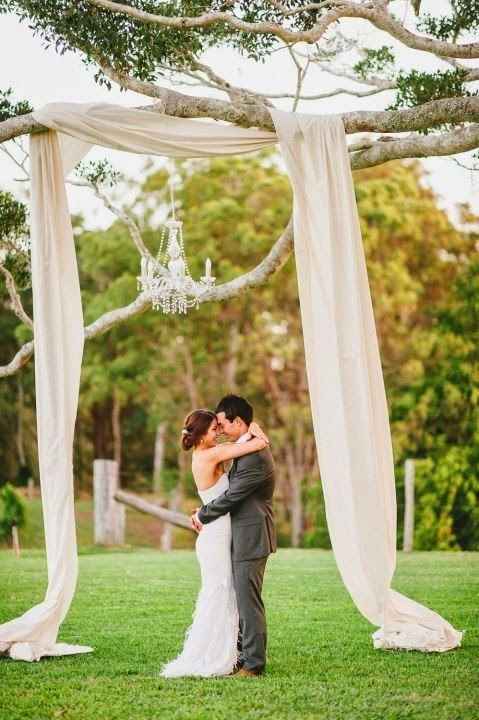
409	473
109	515
15	541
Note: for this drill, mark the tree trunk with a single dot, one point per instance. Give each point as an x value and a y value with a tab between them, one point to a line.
408	540
20	433
159	456
296	503
101	430
116	431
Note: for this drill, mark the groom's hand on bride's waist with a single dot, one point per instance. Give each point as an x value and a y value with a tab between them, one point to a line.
195	521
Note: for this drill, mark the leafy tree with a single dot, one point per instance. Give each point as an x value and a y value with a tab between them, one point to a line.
439	415
155	368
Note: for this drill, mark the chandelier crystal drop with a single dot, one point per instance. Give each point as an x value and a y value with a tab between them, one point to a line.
167	279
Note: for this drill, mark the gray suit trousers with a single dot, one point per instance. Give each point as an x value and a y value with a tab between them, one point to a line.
248	583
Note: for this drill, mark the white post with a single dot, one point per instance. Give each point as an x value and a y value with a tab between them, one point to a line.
15	541
31	489
109	515
409	472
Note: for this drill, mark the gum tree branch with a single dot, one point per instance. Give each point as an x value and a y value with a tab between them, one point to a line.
417	146
436	112
375	13
120	214
273	262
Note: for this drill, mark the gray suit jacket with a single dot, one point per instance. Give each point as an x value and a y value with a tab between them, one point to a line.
249	502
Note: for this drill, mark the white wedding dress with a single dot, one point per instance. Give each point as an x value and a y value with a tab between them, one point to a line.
211	642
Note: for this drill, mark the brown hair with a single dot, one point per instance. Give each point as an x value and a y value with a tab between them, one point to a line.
196	425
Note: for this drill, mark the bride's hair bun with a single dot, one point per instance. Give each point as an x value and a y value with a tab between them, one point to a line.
196	425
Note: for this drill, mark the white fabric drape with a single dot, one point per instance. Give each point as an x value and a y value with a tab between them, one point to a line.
346	387
344	371
58	320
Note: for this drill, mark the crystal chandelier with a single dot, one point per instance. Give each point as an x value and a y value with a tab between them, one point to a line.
167	279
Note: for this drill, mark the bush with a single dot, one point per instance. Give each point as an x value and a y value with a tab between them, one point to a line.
12	511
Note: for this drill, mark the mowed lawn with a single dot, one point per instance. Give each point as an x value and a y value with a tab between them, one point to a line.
133	607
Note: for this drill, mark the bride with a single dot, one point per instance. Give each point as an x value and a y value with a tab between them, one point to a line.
210	646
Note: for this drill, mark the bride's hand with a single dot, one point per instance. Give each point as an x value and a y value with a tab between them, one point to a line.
255	430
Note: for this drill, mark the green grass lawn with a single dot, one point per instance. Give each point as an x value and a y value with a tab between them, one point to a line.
133	607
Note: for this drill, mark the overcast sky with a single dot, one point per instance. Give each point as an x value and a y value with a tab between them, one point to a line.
42	76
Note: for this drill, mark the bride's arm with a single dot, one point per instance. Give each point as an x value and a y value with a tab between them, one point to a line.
229	451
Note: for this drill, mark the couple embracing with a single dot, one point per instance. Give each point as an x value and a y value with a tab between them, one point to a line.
236	534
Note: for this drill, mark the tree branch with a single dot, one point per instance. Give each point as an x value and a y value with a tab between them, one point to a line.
16	303
275	259
436	112
422	117
456	141
375	13
120	214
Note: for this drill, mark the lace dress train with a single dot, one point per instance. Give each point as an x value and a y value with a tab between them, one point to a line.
210	643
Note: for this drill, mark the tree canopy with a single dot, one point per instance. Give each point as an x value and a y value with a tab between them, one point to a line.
152	370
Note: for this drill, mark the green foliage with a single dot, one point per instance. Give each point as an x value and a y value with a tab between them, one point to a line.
463	18
447	512
14	238
13	218
143	49
441	413
376	62
140	48
9	109
417	87
12	511
98	172
127	44
316	534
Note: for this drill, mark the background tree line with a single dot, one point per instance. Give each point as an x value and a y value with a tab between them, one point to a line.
141	378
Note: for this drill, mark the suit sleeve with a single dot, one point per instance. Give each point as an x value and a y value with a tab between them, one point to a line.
248	477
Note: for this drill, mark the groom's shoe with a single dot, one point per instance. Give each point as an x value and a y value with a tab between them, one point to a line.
236	669
244	672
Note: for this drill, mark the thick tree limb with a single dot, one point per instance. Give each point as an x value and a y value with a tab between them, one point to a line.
275	259
421	117
376	14
445	111
21	358
456	141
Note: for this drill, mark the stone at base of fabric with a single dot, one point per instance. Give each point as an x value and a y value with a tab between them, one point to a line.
32	652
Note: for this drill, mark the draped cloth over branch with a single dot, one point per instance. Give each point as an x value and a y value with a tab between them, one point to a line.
344	371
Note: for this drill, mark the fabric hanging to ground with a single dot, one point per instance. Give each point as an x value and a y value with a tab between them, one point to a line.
343	365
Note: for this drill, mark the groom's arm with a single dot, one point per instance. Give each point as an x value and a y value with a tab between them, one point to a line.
248	477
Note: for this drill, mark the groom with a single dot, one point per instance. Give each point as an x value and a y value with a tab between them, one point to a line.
249	502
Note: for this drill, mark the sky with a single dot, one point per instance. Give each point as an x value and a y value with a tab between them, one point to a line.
42	76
